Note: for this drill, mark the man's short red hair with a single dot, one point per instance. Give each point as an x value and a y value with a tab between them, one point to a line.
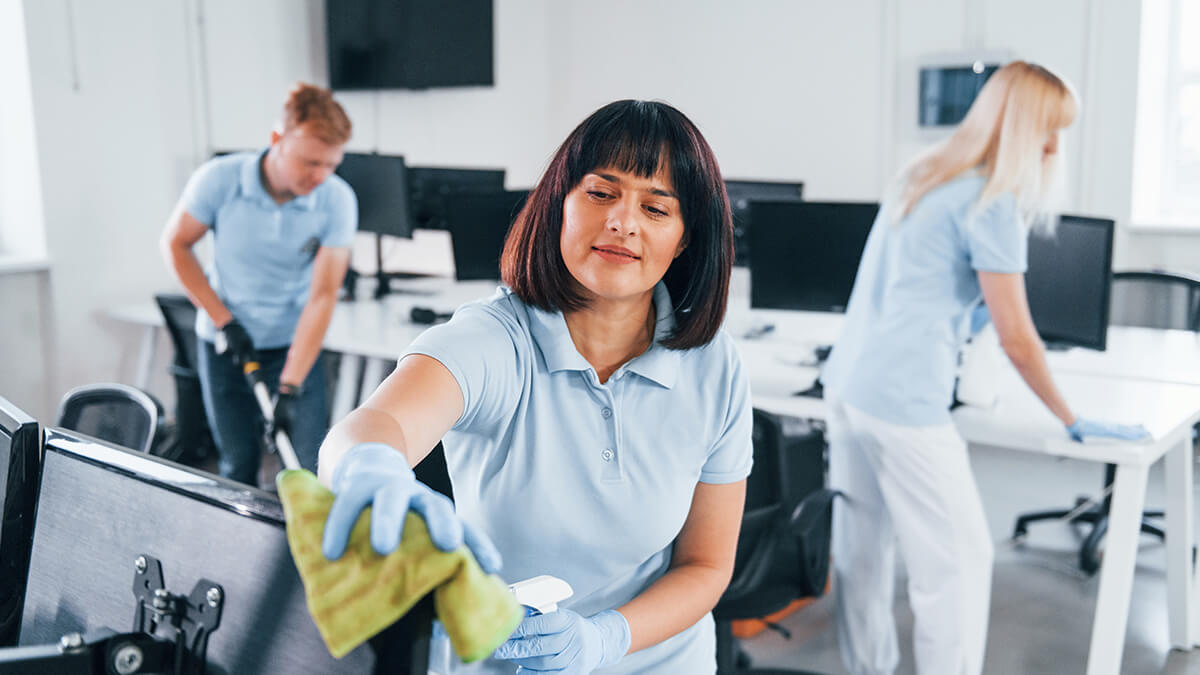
313	107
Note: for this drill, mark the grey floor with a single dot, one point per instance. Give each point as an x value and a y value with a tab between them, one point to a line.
1042	606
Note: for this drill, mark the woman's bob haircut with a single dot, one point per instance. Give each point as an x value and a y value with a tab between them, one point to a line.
638	137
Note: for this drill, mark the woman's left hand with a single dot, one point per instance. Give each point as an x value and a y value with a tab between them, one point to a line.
566	642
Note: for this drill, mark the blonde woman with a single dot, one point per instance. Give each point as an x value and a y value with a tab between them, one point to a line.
954	233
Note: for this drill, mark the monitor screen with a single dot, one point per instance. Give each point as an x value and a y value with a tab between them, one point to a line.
741	193
409	44
947	92
478	224
380	184
806	253
431	186
102	507
1068	281
20	462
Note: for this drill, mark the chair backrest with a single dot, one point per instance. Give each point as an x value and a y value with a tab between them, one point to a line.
782	551
180	315
117	413
1155	300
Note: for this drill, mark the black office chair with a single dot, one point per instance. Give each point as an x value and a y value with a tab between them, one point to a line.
189	440
1155	300
783	546
1139	298
117	413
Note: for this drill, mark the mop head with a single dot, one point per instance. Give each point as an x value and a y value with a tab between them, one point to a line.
361	593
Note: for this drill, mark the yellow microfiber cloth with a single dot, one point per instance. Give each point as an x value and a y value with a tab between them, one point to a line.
361	593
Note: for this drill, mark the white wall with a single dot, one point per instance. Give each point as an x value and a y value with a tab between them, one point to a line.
112	110
781	89
130	96
499	126
1095	45
21	233
27	342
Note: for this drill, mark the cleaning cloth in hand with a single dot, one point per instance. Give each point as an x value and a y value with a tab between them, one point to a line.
361	593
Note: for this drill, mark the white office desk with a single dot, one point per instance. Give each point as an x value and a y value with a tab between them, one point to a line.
1135	381
1020	421
146	315
1137	353
369	334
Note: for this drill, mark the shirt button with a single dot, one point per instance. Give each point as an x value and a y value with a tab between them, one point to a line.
607	455
606	413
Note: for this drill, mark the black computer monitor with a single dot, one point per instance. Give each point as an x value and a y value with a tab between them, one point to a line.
741	193
1069	280
20	464
101	508
380	183
431	186
478	224
806	254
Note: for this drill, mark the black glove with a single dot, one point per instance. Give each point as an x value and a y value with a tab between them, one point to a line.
233	340
285	408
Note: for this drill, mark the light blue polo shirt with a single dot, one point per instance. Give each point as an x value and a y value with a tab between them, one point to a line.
262	263
585	481
910	310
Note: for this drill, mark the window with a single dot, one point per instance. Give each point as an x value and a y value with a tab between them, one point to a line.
1166	188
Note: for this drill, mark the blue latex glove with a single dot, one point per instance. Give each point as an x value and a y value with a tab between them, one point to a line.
565	642
1084	428
378	475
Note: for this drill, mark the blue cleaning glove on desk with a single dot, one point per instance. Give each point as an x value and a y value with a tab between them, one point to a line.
1085	428
378	475
563	641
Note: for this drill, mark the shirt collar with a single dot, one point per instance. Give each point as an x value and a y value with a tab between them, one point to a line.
252	186
658	364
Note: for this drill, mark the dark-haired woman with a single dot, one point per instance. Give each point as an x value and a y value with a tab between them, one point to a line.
596	421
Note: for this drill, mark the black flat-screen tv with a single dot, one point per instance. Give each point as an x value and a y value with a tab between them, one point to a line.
103	511
409	44
1069	280
20	465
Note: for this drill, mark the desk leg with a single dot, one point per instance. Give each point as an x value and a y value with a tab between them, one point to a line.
1180	584
345	395
1116	572
146	357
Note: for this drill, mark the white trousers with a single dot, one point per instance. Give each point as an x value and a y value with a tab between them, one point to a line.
911	485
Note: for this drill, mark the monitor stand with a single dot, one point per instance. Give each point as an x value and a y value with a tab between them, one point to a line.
383	280
1053	346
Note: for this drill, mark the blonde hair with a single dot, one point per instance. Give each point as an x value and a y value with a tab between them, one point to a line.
1002	136
313	107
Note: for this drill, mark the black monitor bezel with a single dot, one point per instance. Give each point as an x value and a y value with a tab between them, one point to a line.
462	245
1097	342
798	186
757	299
24	435
208	488
405	221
